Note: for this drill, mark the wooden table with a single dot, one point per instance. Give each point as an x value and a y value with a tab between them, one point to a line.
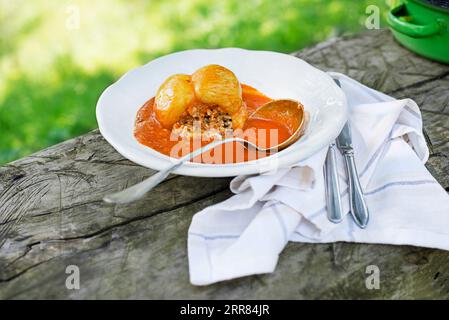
52	215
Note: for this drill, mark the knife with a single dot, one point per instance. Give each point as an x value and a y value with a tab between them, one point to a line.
359	210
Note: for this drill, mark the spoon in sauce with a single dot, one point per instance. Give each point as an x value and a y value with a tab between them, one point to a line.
288	112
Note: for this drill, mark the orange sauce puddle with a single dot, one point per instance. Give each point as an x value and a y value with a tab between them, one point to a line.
149	132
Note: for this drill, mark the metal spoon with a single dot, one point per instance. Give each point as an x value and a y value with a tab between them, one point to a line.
292	114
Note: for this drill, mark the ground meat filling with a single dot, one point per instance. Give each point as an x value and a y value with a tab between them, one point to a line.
208	122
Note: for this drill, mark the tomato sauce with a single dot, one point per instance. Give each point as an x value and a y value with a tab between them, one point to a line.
265	133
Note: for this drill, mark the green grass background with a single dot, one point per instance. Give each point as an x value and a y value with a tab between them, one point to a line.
52	74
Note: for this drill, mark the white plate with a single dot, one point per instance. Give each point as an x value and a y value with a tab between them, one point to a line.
275	74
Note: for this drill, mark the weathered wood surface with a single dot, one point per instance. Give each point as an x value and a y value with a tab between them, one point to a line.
52	216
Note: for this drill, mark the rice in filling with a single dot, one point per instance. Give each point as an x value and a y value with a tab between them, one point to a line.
209	122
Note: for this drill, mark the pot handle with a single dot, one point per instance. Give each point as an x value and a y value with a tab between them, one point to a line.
413	30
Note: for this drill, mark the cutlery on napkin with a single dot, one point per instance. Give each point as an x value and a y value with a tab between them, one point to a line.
245	234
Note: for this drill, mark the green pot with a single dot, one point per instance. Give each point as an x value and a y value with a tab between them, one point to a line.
422	27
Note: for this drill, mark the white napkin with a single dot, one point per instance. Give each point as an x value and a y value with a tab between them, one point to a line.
245	234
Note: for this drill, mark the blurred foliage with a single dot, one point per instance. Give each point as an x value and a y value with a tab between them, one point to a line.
57	56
